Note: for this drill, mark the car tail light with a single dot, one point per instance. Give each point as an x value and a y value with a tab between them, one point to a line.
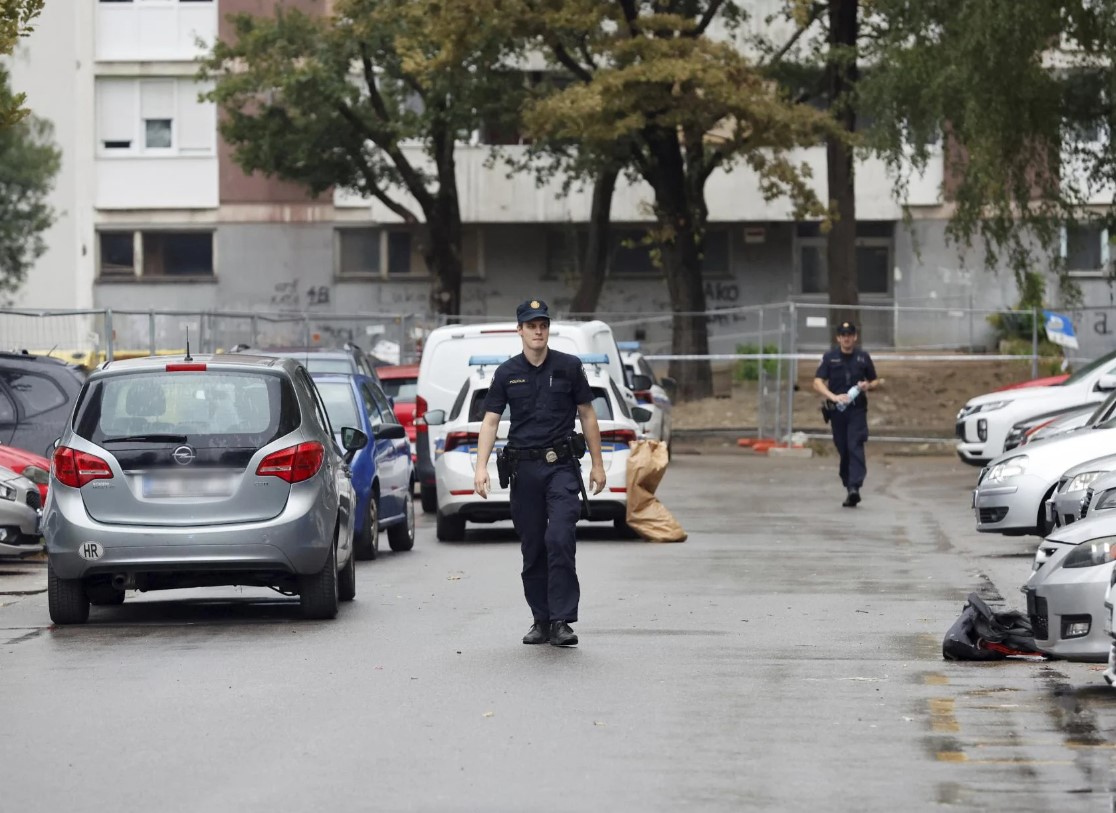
455	439
185	368
75	469
420	410
618	436
644	396
293	464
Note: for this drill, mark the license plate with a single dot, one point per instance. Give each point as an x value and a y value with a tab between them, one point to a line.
214	486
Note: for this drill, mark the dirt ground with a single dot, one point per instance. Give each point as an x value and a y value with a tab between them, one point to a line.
916	399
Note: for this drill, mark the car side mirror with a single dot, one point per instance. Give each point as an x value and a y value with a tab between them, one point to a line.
435	417
352	439
390	431
1107	382
642	382
669	384
641	415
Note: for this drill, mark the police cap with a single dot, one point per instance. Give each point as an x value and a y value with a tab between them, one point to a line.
846	329
531	309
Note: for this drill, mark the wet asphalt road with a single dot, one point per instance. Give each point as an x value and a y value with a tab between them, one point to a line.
786	657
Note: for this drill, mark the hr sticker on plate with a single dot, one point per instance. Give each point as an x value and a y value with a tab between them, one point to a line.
91	550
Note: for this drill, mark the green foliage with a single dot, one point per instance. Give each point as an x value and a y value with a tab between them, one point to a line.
748	369
16	18
29	162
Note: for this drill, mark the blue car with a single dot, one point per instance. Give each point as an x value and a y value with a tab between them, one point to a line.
383	475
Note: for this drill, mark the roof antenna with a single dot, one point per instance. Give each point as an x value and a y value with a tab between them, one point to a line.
188	356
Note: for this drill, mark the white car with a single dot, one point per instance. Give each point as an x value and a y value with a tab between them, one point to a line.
456	453
650	392
984	422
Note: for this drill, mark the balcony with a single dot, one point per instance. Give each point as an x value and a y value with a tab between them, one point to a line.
489	195
172	182
154	31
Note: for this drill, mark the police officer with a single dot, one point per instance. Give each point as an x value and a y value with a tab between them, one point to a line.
842	368
545	389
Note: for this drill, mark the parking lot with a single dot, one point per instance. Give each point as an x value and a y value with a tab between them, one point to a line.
787	656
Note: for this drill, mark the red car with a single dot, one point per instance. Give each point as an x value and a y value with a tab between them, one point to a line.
401	383
35	468
1034	382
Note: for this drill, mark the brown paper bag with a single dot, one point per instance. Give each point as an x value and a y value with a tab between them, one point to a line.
646	515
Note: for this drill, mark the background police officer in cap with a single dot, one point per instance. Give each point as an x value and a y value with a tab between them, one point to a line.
842	368
545	389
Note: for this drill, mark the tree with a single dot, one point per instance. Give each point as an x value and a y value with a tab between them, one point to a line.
16	17
333	101
684	104
29	162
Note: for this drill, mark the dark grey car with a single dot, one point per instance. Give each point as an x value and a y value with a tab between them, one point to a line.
192	472
36	396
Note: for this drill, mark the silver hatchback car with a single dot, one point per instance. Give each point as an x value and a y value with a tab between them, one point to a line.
198	471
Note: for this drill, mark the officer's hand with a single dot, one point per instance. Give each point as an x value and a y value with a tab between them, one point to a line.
863	385
843	398
597	479
480	482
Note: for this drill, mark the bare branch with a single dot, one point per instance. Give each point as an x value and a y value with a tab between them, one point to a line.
816	11
707	18
631	15
375	189
571	64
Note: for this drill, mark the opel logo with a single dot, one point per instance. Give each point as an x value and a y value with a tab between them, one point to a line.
184	455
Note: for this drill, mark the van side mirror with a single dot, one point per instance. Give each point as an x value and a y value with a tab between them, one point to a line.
641	415
669	384
435	417
1107	382
641	382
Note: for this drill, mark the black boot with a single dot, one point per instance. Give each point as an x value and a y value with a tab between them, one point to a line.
538	634
562	635
852	499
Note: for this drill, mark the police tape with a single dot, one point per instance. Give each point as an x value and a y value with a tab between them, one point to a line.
877	356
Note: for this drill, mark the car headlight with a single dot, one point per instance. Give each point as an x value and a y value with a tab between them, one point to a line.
7	492
1082	481
1106	500
1008	468
1092	553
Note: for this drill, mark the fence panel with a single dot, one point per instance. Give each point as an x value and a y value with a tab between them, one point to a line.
79	337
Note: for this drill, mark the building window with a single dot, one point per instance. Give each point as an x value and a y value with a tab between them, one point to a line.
177	254
117	253
874	246
1085	249
154	116
395	252
359	250
398	252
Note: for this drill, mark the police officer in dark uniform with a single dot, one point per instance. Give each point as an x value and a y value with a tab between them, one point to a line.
842	368
546	389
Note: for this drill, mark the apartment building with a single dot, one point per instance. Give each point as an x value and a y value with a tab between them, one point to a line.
156	214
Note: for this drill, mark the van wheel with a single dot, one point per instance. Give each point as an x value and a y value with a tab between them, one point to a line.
401	537
318	593
66	599
367	543
429	496
623	529
451	528
346	580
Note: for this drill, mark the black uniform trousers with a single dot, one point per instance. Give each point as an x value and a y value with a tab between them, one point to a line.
545	507
850	433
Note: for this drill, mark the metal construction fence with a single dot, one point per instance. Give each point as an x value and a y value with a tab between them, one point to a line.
755	376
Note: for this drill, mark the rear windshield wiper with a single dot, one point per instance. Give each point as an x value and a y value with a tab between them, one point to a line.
152	438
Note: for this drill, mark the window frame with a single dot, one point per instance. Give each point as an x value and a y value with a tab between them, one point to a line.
417	267
860	242
1105	252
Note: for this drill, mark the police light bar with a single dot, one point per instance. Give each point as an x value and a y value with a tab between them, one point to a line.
628	345
484	361
594	358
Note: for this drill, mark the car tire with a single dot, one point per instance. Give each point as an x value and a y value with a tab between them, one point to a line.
401	537
346	580
623	529
429	496
451	527
104	595
367	543
66	599
318	593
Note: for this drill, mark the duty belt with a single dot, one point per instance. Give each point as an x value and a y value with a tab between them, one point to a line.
550	454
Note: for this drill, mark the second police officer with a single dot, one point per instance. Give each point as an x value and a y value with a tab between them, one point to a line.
546	389
845	374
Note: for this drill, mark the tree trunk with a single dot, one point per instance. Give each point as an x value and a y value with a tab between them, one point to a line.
679	206
596	248
443	223
842	73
